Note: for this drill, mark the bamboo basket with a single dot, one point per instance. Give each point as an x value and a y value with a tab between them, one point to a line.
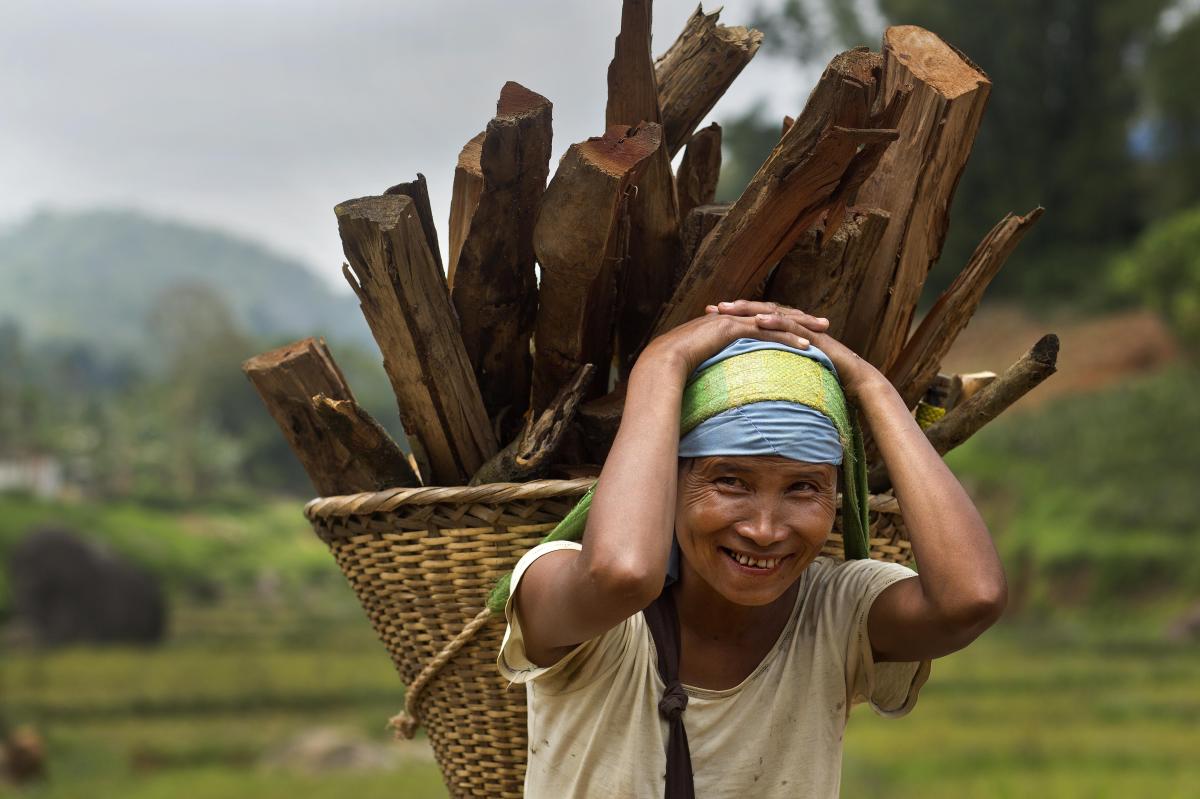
422	561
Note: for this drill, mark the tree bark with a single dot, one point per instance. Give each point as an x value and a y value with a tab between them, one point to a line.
578	237
649	270
528	456
696	181
917	365
697	69
492	280
403	296
915	182
989	402
371	446
699	222
286	378
812	171
823	279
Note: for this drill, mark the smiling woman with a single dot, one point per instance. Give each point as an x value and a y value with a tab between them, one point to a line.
692	641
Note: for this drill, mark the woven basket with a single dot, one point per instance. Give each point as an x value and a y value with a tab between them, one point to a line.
422	561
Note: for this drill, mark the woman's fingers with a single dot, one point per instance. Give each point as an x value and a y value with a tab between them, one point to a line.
754	308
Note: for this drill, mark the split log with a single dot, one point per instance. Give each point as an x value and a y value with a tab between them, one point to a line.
403	296
917	365
823	279
648	273
464	197
577	238
492	280
599	421
527	456
373	449
696	181
973	382
970	415
699	222
809	173
697	69
915	182
418	191
286	378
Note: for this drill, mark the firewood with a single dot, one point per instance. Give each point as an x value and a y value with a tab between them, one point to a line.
528	455
599	421
370	445
286	378
577	237
799	182
696	181
647	274
989	402
699	222
915	182
492	280
418	191
464	197
403	296
697	69
824	279
917	364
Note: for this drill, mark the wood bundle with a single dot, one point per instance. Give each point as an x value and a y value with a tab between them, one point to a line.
501	377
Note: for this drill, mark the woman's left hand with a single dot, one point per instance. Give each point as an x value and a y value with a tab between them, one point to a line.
855	373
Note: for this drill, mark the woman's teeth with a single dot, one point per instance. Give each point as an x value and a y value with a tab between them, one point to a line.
757	563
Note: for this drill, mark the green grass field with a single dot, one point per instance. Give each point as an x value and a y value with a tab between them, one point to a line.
1013	716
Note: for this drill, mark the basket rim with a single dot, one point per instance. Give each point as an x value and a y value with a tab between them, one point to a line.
489	493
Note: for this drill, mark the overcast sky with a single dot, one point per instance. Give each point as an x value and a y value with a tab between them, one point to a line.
258	116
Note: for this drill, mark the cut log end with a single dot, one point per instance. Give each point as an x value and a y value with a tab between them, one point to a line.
517	101
933	61
622	147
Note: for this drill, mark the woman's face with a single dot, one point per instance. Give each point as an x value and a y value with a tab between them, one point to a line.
749	525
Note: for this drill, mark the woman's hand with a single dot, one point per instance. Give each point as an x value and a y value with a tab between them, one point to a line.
692	343
854	373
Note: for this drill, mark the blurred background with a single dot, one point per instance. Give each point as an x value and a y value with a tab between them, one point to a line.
169	625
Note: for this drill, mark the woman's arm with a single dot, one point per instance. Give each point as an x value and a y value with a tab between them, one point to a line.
960	590
567	597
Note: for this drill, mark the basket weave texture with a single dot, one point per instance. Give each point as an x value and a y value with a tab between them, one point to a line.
422	561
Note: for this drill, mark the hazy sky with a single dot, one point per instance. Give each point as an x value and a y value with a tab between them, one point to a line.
258	116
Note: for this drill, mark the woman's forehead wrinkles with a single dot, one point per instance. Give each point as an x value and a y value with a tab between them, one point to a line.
764	463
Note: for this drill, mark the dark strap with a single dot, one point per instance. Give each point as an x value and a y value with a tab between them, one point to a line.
663	622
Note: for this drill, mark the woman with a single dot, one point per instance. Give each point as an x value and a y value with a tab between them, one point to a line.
738	678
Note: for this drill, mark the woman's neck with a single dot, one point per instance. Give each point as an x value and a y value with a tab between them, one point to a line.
709	616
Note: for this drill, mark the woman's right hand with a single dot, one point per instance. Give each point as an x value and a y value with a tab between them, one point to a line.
687	346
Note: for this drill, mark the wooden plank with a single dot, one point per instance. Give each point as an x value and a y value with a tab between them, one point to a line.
418	191
915	181
917	365
696	181
801	181
649	269
823	277
403	296
492	280
697	69
464	197
286	378
577	238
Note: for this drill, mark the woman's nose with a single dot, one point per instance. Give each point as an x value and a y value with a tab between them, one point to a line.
764	527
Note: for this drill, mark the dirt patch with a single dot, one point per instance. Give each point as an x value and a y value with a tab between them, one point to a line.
1097	352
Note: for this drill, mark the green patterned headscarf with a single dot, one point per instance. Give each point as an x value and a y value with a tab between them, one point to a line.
762	381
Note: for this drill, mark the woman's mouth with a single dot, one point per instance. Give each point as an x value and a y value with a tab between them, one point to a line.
755	565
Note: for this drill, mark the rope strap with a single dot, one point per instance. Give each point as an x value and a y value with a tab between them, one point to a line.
405	722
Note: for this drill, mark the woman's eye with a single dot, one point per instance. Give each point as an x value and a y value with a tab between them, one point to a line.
732	482
804	486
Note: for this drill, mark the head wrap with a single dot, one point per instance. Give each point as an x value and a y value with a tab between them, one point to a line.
761	398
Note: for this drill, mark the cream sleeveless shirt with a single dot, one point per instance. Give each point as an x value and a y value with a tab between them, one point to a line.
595	731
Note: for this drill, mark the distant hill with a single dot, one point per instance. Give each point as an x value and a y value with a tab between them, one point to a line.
84	276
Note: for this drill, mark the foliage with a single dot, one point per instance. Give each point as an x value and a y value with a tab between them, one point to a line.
1093	499
1091	115
1162	270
